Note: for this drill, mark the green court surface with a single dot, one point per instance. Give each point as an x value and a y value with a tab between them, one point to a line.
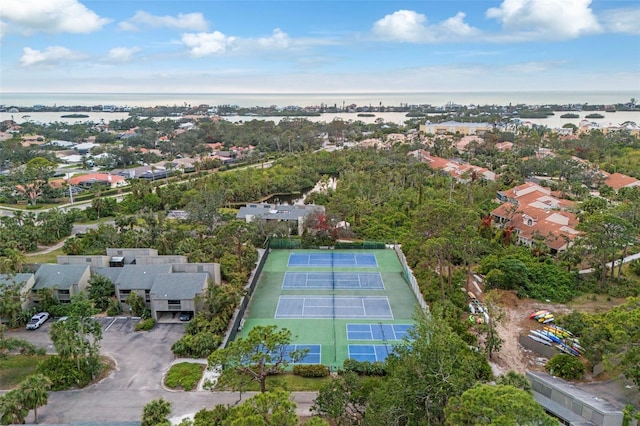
324	329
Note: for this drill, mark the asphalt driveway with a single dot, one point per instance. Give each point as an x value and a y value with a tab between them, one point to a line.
142	359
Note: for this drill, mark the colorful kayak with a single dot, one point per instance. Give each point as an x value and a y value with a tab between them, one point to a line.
548	320
543	318
539	339
537	314
471	308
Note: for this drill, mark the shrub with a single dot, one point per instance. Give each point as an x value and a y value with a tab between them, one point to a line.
114	308
310	370
199	345
365	368
184	375
145	325
566	366
64	373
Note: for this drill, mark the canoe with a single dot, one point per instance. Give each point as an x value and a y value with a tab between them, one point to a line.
557	331
471	295
539	339
536	314
548	320
486	317
471	308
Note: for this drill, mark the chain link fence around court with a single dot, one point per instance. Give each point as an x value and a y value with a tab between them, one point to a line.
296	243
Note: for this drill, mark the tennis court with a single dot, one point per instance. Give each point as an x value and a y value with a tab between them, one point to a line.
330	300
371	353
313	355
378	331
363	260
332	280
370	307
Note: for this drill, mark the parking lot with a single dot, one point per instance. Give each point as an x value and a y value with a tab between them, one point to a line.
141	360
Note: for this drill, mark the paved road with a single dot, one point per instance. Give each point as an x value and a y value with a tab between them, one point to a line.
142	359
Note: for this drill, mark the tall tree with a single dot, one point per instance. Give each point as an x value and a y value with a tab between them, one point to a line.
265	351
497	405
31	178
34	391
422	376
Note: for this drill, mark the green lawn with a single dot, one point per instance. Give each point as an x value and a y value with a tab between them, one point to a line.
45	257
289	382
15	368
184	375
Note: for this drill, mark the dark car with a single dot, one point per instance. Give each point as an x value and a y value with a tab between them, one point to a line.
185	316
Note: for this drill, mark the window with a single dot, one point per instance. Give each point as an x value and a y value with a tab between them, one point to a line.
124	294
174	305
147	296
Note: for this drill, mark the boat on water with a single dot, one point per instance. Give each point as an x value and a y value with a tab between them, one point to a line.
539	339
537	314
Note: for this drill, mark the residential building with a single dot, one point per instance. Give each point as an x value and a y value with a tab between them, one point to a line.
25	281
138	279
455	127
571	404
618	181
174	293
460	170
64	280
279	212
112	181
535	215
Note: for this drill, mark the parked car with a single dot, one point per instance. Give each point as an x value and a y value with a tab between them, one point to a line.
185	316
37	320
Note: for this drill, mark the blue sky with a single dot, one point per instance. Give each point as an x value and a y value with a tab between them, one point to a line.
304	46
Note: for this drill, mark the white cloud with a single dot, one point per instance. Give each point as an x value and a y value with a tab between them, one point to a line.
278	40
122	54
184	22
545	19
623	20
205	44
410	26
50	16
52	55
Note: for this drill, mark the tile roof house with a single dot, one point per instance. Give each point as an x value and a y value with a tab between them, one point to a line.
536	215
463	172
113	181
618	181
65	280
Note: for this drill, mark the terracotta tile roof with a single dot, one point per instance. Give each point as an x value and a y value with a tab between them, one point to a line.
98	177
618	180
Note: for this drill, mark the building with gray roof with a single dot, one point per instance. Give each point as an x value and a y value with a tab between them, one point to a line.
174	293
279	212
571	404
137	279
25	281
64	280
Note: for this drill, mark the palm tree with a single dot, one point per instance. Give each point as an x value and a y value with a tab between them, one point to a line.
12	409
156	412
34	392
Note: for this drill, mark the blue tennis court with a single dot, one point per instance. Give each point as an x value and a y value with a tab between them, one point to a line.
332	280
371	353
313	355
377	331
374	307
357	260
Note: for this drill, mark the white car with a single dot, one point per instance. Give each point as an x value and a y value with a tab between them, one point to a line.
37	320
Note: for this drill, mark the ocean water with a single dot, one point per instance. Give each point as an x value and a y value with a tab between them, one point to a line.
311	99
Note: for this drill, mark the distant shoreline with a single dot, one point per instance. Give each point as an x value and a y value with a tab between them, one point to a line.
249	100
